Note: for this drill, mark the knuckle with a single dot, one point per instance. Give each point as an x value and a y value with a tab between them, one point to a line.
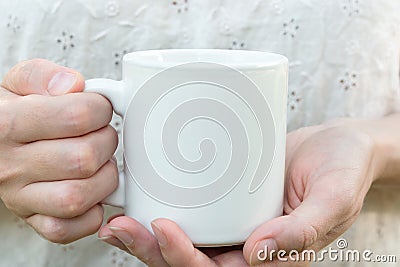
25	70
87	160
310	236
78	117
307	235
53	230
84	160
71	199
88	110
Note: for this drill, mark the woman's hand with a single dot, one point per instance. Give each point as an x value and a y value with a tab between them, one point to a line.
329	169
55	150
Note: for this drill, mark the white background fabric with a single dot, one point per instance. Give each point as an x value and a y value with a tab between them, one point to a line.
344	61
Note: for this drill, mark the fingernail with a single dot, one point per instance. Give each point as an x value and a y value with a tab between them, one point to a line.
262	252
103	238
122	235
161	237
61	83
111	240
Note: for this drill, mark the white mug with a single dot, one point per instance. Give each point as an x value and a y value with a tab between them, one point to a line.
204	134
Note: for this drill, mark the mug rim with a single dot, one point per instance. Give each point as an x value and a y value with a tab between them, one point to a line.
238	59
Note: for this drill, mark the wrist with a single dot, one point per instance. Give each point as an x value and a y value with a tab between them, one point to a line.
385	162
382	144
386	132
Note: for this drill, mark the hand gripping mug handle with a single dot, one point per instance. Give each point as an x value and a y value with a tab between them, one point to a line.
115	93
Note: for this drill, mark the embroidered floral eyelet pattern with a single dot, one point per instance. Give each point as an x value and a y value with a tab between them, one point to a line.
67	248
119	258
112	8
294	100
348	81
13	24
351	7
236	45
302	83
290	28
118	56
66	40
181	5
117	123
21	224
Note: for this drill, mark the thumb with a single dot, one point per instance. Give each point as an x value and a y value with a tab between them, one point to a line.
304	228
40	76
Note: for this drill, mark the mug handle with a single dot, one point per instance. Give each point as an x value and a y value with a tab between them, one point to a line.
114	91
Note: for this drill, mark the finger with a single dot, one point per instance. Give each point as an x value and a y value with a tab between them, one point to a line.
37	117
307	227
69	158
232	258
136	239
214	251
113	241
43	77
112	217
67	230
68	198
176	247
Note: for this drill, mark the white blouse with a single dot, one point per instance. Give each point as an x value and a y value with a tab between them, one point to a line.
344	61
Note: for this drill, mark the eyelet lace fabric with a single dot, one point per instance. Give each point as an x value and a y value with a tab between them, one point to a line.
344	61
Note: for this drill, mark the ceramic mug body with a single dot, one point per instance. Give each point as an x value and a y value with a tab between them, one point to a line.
204	139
